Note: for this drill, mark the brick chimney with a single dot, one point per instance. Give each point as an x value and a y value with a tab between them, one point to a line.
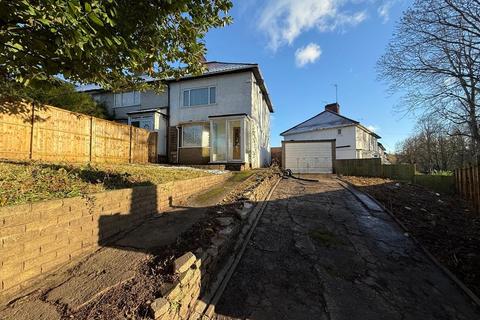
333	107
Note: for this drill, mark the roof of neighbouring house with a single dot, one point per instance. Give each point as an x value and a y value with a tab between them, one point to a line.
212	68
325	120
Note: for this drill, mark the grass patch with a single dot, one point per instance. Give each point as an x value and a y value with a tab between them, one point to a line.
36	181
241	176
325	238
216	192
211	194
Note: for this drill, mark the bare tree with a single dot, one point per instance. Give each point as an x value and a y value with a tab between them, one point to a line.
434	57
433	146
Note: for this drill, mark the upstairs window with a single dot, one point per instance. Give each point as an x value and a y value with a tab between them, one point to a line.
127	99
199	96
339	131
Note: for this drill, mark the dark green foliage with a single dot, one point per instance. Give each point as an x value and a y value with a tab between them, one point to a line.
106	42
63	95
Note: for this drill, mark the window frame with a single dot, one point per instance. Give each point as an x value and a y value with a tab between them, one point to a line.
202	143
119	96
209	97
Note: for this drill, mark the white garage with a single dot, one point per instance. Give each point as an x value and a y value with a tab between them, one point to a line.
309	156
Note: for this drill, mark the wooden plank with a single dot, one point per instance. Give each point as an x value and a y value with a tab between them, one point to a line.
15	131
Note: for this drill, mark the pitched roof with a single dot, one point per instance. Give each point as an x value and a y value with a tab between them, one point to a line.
212	68
323	120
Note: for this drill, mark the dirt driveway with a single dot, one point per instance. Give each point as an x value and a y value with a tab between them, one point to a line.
319	253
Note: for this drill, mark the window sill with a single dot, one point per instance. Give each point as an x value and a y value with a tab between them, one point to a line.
196	147
199	106
135	105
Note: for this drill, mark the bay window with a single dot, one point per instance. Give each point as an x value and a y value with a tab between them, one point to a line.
195	135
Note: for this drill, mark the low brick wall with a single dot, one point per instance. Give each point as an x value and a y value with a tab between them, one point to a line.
200	273
37	238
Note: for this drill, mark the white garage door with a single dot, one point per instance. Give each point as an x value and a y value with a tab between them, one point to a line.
309	157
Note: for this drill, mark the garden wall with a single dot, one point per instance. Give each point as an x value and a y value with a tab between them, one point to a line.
200	274
37	238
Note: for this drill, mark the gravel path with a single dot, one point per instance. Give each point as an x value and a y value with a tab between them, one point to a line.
318	253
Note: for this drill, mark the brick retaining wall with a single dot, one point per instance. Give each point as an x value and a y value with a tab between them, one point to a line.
37	238
200	273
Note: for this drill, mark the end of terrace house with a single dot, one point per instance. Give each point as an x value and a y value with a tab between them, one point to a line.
219	117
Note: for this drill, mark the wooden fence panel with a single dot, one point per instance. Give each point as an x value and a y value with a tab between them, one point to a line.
111	142
60	135
359	167
398	171
15	131
141	140
153	147
51	134
374	168
467	185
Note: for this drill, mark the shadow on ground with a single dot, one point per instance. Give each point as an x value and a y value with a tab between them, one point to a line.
317	253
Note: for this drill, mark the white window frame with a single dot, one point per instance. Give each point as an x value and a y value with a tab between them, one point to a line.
203	140
119	96
199	105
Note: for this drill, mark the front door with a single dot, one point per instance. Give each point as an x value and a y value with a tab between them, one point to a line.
235	140
236	144
226	138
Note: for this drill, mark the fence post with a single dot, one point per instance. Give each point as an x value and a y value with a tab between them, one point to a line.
476	189
130	147
90	154
457	181
472	183
31	131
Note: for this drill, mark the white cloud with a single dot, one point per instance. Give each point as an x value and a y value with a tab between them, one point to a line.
373	128
284	20
384	10
308	54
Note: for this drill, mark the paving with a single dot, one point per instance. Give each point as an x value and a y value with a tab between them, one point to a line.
320	253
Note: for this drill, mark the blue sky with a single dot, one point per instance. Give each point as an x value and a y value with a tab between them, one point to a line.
304	47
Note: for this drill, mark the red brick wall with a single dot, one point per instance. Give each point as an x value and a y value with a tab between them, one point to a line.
37	238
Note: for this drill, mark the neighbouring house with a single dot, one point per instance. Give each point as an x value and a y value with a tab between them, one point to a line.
313	145
382	154
219	117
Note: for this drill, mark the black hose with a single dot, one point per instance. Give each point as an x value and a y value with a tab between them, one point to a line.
289	174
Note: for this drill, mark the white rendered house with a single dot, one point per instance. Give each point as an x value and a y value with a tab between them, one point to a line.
219	117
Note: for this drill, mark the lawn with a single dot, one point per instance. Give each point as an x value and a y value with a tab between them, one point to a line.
36	181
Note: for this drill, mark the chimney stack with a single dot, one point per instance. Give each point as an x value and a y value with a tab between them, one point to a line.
333	107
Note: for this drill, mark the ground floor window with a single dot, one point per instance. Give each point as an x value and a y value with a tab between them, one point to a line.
142	122
195	135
